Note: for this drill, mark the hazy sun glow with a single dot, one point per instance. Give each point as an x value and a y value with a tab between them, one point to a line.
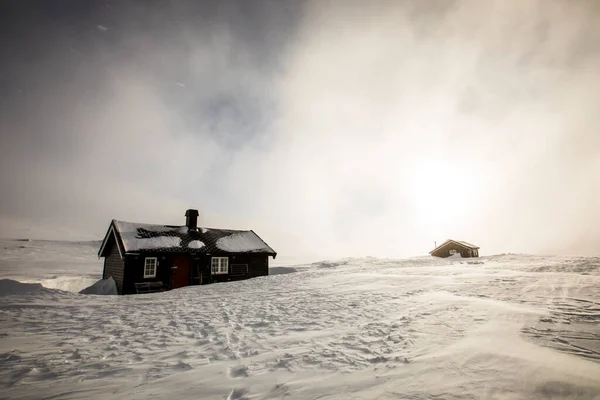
441	191
330	128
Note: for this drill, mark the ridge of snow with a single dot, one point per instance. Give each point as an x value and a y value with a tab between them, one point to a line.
12	287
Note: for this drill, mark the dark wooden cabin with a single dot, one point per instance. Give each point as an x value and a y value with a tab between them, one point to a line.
451	247
147	258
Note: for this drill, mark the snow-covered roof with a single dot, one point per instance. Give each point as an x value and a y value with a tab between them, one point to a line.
459	242
134	237
469	245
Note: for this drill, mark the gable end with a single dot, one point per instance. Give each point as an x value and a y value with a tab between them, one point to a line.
111	234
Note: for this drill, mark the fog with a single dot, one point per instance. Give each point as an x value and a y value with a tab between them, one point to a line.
333	128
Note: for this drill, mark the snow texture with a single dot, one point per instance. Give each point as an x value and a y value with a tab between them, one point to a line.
242	242
195	244
281	270
62	265
507	327
454	256
131	241
102	287
162	242
11	287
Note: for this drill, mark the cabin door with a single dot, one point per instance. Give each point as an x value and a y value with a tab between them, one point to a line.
180	272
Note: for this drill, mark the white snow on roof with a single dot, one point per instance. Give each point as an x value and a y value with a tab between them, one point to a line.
160	242
467	244
242	242
131	242
195	244
132	227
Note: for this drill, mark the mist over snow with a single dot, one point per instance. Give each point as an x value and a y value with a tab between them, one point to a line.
344	128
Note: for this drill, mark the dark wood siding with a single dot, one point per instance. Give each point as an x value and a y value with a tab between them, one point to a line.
135	271
114	266
257	265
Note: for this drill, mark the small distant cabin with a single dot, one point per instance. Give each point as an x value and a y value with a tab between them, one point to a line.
451	247
144	258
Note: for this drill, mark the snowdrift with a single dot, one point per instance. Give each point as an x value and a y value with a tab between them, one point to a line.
104	287
73	284
281	270
11	287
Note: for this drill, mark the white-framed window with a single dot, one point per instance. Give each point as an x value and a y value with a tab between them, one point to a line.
219	265
452	251
150	267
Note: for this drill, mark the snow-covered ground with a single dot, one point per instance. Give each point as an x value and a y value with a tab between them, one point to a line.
69	266
497	327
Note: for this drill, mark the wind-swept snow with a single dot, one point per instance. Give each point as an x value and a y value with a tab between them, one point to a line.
102	287
242	242
11	287
282	270
62	265
512	327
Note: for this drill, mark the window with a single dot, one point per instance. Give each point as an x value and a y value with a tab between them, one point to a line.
452	251
219	265
150	267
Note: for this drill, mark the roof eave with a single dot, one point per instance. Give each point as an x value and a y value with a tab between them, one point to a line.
112	230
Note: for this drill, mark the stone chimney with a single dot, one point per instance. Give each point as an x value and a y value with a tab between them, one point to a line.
191	219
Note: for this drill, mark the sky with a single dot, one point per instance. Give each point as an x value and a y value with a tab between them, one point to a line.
329	127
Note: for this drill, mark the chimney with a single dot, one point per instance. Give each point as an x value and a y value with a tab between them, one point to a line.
191	219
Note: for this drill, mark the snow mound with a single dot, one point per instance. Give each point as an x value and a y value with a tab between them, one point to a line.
102	287
73	284
195	244
9	287
281	270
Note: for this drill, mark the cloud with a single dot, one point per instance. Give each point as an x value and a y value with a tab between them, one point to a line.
330	127
456	120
